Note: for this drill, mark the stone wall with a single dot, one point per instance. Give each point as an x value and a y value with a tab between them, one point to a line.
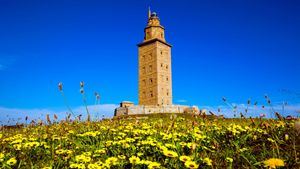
140	109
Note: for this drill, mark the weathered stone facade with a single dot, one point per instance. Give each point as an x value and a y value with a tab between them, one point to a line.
155	77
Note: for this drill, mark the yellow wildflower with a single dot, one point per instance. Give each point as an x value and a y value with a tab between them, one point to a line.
94	166
169	153
274	162
153	165
17	146
87	153
82	159
163	148
112	161
11	161
101	151
17	141
207	161
191	164
134	160
145	162
1	157
73	165
60	151
79	166
184	158
101	164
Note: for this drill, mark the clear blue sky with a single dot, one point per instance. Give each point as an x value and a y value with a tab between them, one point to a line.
237	49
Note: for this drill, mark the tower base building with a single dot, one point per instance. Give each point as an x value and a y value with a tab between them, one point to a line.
152	109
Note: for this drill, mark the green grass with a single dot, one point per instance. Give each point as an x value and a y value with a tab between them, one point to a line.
143	141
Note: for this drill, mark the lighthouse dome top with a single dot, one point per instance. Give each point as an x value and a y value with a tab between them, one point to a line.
154	15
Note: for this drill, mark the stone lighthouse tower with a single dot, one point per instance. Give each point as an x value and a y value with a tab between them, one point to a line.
154	55
155	75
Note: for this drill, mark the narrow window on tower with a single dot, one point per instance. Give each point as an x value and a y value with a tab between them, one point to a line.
167	92
150	56
161	65
150	68
144	82
144	57
144	70
167	67
167	78
151	81
151	93
161	52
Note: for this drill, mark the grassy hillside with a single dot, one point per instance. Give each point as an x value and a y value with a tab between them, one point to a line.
153	141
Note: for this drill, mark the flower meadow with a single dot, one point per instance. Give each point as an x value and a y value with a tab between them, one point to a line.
153	141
